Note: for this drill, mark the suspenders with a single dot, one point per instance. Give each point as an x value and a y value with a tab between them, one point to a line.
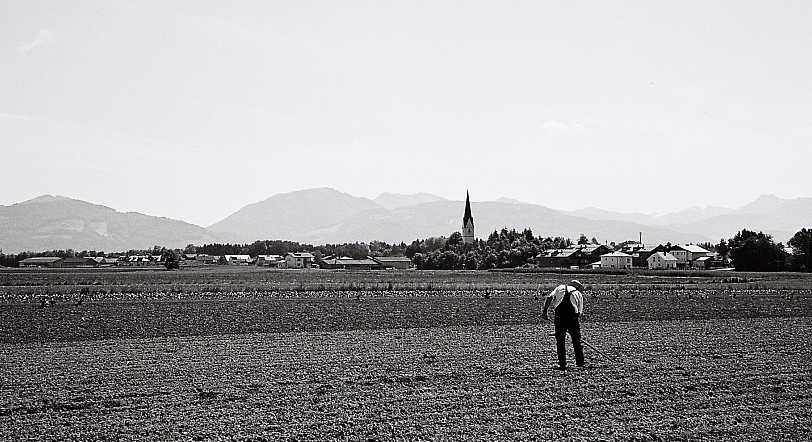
566	307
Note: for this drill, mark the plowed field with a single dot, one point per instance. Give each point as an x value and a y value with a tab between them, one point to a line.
703	362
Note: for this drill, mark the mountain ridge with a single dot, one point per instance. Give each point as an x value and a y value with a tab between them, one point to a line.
53	223
325	215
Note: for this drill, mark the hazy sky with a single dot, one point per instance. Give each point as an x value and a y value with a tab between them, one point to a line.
191	110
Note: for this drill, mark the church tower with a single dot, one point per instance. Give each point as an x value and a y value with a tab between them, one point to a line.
467	222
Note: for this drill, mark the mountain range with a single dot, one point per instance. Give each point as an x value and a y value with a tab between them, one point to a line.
328	216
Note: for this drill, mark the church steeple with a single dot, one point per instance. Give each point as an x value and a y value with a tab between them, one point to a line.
467	222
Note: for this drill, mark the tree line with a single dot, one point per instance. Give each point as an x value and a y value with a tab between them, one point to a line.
748	251
503	249
357	250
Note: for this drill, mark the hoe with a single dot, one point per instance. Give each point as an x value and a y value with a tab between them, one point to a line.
589	345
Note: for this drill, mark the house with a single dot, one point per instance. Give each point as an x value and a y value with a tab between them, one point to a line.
346	263
640	252
238	259
558	258
42	261
580	256
616	260
137	261
207	259
706	263
105	262
189	260
393	262
273	261
299	260
198	259
686	254
662	261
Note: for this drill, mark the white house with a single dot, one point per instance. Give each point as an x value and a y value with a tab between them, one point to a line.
662	260
688	253
697	252
270	261
616	260
237	259
299	260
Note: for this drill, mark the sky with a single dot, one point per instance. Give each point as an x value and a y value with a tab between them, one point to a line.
193	109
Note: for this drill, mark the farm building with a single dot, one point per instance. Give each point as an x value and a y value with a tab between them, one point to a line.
580	256
686	254
189	260
273	261
105	262
641	252
42	261
138	261
708	263
207	259
79	262
616	260
393	262
198	259
346	263
299	260
662	260
237	259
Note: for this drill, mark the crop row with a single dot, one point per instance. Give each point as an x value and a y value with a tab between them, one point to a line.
144	317
52	295
319	280
740	379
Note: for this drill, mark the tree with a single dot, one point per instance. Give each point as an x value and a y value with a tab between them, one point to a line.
583	240
723	249
470	262
801	245
454	239
418	260
170	259
412	249
756	252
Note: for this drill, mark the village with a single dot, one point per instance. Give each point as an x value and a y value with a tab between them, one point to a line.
582	256
628	255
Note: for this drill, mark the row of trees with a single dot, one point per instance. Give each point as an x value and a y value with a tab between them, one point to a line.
357	250
748	251
502	249
757	252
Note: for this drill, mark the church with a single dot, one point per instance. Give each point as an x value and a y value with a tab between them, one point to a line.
467	222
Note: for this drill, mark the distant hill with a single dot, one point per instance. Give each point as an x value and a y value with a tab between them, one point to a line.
395	200
777	217
294	216
692	214
509	201
327	216
322	216
770	214
55	222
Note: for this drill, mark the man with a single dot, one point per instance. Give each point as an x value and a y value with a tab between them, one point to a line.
568	303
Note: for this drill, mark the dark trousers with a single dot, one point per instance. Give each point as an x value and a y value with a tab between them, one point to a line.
571	325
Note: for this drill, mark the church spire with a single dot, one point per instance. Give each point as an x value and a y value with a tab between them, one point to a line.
467	222
467	215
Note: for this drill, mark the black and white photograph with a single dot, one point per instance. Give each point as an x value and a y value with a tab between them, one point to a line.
263	220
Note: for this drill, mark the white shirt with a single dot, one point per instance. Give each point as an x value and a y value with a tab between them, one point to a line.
577	299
